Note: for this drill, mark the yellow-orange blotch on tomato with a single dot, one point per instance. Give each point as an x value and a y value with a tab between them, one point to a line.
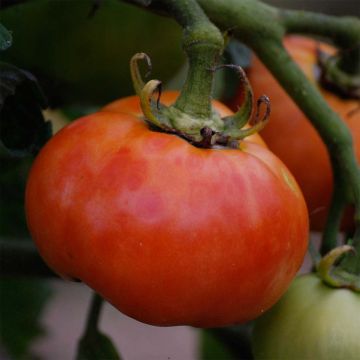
169	233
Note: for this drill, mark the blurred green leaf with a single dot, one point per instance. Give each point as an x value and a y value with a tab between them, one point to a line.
228	343
213	349
21	304
23	129
5	38
142	2
96	346
82	59
13	173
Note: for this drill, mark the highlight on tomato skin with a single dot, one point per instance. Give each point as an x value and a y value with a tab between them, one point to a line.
168	233
290	135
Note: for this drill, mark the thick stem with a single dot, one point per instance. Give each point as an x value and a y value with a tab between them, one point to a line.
333	222
343	31
92	321
352	263
94	344
203	44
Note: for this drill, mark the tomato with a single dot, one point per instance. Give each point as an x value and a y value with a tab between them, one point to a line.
291	136
312	321
168	233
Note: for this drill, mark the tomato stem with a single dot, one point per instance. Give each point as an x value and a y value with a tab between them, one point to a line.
94	344
94	314
333	221
203	44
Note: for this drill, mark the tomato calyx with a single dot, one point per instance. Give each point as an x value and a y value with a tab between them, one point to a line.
204	132
334	79
335	276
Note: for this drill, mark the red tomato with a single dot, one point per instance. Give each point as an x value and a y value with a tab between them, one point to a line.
169	233
291	136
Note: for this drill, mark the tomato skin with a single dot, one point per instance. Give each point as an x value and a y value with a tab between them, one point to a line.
293	139
168	233
311	321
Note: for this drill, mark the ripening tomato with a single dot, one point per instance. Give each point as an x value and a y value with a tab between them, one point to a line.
311	321
169	233
291	136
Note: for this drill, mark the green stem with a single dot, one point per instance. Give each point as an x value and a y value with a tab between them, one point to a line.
94	344
92	322
333	221
352	263
343	31
203	44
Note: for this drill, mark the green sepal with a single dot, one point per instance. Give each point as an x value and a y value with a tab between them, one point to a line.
335	276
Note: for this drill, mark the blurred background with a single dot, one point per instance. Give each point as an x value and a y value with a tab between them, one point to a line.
79	52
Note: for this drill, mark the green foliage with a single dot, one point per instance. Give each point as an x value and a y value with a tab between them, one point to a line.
21	304
5	38
230	343
13	172
22	132
22	127
21	300
82	56
213	349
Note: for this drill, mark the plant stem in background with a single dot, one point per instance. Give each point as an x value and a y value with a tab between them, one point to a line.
94	344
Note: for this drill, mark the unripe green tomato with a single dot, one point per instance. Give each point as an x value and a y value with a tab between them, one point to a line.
311	321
